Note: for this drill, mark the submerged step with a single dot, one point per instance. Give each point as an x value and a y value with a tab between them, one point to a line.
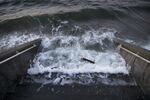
59	78
30	90
34	91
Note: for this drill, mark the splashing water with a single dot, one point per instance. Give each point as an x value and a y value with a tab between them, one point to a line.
15	39
62	54
147	46
60	60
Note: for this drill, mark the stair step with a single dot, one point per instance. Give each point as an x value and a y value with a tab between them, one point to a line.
84	79
101	89
34	91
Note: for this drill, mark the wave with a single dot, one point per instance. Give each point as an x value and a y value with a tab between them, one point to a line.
62	54
46	20
24	21
75	33
75	2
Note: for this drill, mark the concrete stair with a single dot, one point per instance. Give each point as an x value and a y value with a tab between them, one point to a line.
34	91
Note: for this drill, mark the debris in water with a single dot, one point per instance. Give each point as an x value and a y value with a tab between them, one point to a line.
88	60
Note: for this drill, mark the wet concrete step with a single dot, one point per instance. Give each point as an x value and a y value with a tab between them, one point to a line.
110	87
34	91
83	78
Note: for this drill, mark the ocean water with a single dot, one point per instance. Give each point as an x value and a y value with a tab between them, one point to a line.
72	30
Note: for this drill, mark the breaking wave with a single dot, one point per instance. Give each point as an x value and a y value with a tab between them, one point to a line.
14	39
63	55
89	31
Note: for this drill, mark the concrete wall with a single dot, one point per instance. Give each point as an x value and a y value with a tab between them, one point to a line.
140	69
14	69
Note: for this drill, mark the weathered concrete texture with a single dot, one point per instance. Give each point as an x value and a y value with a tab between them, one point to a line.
32	91
14	69
140	69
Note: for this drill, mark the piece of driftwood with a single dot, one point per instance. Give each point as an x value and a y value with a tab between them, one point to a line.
90	61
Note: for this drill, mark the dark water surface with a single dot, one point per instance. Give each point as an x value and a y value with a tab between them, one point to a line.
129	17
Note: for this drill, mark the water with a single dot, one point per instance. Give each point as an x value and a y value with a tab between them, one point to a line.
62	54
72	30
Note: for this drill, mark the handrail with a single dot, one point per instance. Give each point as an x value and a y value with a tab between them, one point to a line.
19	53
144	59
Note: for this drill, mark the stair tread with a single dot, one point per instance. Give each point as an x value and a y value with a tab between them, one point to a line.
29	90
34	91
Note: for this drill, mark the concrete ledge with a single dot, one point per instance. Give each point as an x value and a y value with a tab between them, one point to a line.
12	70
140	69
31	91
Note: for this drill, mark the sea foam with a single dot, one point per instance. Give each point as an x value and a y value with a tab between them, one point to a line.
63	54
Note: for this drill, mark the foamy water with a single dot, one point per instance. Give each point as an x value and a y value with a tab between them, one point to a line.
147	46
63	55
14	39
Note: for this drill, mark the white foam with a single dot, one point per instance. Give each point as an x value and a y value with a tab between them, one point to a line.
14	39
129	41
109	62
92	37
147	46
63	54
